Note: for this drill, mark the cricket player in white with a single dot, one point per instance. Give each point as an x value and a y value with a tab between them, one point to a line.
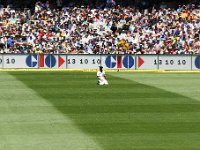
101	77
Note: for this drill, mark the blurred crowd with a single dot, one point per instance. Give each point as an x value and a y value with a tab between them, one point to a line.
109	29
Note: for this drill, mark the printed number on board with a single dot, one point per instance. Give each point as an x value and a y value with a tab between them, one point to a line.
170	62
84	61
10	61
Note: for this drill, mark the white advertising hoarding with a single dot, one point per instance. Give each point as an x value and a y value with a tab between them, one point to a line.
60	61
196	62
52	61
83	61
20	61
147	62
1	61
126	62
174	62
118	61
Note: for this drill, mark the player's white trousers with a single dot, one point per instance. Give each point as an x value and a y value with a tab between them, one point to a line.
103	81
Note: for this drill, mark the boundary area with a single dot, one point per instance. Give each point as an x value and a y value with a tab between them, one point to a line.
107	70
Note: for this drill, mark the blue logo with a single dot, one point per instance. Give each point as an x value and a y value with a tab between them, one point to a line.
119	62
50	61
32	60
111	61
197	62
128	62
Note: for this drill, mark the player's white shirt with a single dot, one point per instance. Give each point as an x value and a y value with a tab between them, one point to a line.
101	74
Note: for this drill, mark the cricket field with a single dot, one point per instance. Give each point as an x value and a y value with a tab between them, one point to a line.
67	110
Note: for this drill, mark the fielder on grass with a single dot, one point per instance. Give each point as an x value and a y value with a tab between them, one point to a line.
101	77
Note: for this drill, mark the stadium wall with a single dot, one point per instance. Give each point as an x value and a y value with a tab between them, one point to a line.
124	62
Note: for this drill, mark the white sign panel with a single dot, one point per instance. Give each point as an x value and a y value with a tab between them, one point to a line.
20	61
60	62
83	61
196	62
1	61
118	61
52	61
174	62
139	62
147	62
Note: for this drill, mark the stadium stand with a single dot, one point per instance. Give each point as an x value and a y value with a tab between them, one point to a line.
106	29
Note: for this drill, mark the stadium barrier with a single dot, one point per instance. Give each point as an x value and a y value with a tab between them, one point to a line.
124	62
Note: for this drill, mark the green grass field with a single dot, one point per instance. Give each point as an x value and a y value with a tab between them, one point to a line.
60	110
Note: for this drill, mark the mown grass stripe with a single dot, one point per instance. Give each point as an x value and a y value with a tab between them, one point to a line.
27	130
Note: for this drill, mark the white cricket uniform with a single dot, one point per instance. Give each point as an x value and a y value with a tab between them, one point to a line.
102	79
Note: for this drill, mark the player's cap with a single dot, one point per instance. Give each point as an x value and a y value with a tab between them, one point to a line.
100	66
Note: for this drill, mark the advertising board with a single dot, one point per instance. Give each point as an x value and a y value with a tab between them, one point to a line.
147	62
20	61
83	61
1	61
174	62
124	62
196	62
52	61
118	61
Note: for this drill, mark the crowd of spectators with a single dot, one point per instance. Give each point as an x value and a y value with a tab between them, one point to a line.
108	29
